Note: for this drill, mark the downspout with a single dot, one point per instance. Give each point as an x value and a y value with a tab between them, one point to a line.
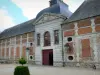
62	47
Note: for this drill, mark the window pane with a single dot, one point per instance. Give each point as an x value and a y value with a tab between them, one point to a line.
56	36
38	39
47	41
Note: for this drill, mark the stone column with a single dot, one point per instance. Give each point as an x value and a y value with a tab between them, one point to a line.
95	55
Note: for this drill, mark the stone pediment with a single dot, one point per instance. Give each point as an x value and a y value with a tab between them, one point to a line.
47	17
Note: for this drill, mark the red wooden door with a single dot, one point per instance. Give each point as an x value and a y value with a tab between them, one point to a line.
45	56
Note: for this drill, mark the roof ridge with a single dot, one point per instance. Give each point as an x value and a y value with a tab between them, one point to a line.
88	8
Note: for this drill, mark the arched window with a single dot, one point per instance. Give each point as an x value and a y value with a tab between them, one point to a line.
47	41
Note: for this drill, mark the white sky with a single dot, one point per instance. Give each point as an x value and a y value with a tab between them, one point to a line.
30	9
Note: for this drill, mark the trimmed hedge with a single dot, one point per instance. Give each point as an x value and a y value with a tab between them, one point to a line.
21	70
22	61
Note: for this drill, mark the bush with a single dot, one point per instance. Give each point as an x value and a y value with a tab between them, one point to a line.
21	70
22	61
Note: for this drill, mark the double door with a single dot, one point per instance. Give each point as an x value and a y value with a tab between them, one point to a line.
47	57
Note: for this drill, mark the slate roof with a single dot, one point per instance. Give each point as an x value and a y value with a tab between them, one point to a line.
58	7
89	8
18	29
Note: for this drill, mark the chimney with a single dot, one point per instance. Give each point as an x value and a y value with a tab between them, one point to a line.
52	2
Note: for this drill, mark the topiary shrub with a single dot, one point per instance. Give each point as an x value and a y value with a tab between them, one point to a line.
22	61
21	70
31	57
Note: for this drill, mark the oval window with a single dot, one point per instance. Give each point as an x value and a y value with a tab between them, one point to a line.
69	39
70	57
31	57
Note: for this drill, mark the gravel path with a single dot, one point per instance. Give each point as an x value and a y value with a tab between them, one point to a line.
47	70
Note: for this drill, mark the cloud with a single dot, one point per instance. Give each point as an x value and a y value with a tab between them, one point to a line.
31	8
5	20
73	4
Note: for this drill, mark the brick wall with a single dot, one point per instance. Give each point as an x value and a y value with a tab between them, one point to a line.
17	52
31	51
80	31
84	23
84	30
69	33
86	51
84	27
97	28
3	51
12	52
7	52
24	51
97	20
18	44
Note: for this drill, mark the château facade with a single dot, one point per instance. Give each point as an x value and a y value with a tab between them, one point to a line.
56	36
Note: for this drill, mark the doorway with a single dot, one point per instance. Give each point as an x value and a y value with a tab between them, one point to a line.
47	57
51	58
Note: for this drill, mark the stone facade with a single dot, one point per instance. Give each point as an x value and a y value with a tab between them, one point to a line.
49	26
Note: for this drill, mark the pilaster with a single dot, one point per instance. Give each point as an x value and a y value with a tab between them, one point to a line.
94	40
20	46
14	48
93	25
95	54
77	42
5	49
10	49
1	49
27	43
76	28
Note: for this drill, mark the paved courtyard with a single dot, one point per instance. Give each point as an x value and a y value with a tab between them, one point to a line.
47	70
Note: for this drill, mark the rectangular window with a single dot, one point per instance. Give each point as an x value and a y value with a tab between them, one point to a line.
86	49
56	36
38	39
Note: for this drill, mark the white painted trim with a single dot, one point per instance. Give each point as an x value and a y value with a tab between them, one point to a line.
76	28
95	48
14	48
93	25
5	49
10	49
